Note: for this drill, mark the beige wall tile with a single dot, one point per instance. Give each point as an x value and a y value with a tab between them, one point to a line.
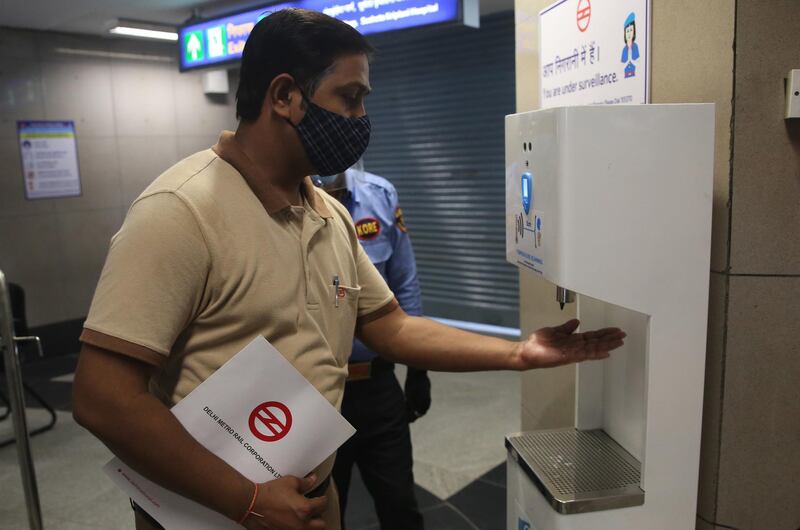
84	237
199	114
548	395
766	174
529	422
703	32
30	255
526	19
712	399
21	96
143	97
80	90
759	475
101	185
12	185
142	159
67	47
151	50
20	44
188	145
703	525
125	97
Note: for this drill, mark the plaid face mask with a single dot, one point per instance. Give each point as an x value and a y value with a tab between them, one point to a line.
332	142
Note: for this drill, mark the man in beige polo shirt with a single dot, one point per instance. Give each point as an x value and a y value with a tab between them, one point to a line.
234	242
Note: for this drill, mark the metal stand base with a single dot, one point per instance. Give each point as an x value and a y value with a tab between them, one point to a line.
39	430
578	471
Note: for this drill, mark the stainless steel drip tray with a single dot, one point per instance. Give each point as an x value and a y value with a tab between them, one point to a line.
578	471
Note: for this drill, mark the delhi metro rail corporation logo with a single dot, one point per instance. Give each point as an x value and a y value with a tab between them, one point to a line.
270	421
584	15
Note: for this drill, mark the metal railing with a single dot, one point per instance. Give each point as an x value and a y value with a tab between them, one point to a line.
17	404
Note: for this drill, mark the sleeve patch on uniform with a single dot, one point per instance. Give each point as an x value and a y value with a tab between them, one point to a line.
368	228
401	222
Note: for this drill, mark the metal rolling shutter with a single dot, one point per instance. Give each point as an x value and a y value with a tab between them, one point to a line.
439	101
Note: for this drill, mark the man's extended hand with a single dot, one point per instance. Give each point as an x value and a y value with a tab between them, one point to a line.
418	393
560	345
281	505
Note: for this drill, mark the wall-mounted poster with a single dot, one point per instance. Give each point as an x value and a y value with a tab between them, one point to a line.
595	52
49	159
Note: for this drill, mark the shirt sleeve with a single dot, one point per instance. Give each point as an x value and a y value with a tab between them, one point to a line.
153	280
401	268
376	299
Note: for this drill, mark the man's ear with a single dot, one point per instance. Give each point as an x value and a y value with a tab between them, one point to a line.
283	97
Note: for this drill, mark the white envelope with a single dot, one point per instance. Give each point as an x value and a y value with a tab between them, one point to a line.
257	413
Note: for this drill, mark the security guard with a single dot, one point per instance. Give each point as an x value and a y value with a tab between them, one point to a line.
373	400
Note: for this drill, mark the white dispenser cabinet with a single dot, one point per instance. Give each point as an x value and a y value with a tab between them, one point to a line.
614	203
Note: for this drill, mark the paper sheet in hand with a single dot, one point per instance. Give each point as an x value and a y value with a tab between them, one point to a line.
258	414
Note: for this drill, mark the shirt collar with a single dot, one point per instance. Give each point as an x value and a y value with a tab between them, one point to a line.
227	149
352	188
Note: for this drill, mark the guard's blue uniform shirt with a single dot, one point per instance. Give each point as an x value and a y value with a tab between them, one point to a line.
373	205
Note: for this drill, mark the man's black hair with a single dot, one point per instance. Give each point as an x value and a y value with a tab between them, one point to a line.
298	42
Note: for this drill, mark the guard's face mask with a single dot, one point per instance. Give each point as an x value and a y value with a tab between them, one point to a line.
332	142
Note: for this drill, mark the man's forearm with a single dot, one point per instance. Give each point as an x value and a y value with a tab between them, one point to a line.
147	436
426	344
156	445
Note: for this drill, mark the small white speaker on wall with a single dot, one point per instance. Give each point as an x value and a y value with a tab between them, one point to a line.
216	82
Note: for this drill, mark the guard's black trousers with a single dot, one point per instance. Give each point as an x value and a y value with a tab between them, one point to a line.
381	448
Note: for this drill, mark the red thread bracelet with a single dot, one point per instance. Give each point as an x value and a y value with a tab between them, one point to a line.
250	511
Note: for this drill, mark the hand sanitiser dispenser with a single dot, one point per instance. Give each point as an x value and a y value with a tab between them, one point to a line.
612	204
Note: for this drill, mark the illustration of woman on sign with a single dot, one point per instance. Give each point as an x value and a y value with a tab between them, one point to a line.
630	52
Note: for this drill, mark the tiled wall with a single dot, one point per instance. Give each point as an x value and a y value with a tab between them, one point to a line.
758	398
548	396
735	54
135	115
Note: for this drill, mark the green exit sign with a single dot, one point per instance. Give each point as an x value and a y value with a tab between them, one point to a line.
193	47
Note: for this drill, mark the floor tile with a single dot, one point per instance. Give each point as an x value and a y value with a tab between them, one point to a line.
361	509
66	378
496	476
445	517
482	503
72	486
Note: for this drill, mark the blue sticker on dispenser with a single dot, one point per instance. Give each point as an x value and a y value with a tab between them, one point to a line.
527	192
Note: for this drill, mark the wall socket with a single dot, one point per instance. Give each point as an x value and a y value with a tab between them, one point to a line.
793	94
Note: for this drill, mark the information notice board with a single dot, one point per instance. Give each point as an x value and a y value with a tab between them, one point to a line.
49	155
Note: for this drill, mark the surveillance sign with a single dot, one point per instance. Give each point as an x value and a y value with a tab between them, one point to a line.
594	52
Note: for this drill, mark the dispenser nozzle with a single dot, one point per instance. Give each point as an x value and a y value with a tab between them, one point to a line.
564	296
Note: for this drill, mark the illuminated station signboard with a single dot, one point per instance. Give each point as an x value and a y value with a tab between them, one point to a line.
221	40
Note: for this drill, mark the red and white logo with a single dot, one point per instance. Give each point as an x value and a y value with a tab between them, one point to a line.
270	421
584	14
